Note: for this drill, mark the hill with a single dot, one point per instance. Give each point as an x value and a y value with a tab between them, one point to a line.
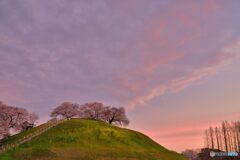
77	139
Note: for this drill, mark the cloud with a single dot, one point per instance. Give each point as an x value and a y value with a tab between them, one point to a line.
85	50
175	84
175	54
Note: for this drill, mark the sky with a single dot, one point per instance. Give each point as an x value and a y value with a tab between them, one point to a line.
174	65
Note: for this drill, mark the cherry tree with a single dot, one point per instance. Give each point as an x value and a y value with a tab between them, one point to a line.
4	131
15	118
98	111
66	110
113	115
29	121
12	117
92	110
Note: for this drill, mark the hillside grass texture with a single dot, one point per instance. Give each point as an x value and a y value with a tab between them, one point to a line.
81	139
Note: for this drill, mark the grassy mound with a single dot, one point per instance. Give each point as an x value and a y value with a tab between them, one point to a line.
78	139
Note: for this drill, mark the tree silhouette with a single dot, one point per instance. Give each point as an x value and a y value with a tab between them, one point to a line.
226	137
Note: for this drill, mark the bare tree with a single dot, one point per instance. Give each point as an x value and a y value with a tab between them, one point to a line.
226	138
224	132
220	139
113	115
211	135
237	128
66	110
229	136
217	137
207	139
234	135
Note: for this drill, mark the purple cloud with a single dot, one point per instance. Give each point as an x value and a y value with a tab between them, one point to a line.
118	53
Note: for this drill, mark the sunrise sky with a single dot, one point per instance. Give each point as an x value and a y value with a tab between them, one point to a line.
173	64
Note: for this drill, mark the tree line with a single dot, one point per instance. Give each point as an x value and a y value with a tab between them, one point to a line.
225	137
19	119
92	110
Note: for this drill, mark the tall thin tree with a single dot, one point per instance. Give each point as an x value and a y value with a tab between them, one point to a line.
224	133
207	140
217	138
211	135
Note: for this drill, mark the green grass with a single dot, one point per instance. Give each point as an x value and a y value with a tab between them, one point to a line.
78	139
23	134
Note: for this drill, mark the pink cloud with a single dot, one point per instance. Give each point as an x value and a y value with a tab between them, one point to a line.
175	85
169	52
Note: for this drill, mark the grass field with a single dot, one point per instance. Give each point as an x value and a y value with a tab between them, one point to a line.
80	139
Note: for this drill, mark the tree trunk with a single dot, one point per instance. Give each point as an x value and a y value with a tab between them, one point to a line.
211	134
207	139
217	138
224	131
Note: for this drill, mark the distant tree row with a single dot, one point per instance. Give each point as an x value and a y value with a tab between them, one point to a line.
225	137
15	118
18	119
93	110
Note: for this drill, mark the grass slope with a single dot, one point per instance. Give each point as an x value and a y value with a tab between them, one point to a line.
78	139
